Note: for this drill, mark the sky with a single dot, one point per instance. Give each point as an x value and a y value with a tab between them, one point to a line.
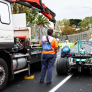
70	9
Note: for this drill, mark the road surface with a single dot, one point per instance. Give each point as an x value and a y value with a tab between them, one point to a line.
76	82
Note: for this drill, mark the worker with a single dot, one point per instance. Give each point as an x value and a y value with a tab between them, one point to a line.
66	47
49	46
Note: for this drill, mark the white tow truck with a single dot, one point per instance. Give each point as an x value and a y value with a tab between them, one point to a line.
16	53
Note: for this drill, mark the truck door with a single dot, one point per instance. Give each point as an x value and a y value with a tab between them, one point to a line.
6	30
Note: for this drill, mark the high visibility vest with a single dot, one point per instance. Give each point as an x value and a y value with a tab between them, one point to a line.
65	44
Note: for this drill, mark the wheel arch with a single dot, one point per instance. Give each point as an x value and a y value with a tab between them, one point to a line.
8	59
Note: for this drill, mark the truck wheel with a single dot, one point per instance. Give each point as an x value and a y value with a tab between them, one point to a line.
3	74
61	66
90	71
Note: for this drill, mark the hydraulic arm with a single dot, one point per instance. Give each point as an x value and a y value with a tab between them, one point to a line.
39	5
79	44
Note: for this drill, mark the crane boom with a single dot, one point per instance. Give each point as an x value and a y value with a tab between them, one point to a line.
38	5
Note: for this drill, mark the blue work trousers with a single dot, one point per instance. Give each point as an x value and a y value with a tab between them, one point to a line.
47	63
63	54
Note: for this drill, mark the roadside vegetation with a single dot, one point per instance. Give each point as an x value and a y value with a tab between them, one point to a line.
62	27
33	17
72	26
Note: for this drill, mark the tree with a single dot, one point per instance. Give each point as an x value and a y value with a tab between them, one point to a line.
84	24
58	27
55	35
73	29
42	25
42	20
66	30
31	14
66	22
60	24
74	21
90	22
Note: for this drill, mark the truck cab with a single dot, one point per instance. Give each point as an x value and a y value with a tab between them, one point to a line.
16	54
6	30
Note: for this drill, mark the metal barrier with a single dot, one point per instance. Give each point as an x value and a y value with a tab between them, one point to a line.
38	31
83	42
83	36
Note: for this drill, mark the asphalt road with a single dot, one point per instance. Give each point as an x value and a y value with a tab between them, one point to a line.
77	82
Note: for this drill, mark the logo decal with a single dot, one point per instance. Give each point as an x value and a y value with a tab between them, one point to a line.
8	37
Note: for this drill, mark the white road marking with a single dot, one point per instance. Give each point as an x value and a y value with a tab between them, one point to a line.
61	83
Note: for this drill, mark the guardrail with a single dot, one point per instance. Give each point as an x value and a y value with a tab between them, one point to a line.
83	42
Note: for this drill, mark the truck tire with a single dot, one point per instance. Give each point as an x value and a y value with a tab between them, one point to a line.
90	71
61	66
3	74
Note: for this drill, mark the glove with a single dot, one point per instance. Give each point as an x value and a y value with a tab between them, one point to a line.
75	43
58	41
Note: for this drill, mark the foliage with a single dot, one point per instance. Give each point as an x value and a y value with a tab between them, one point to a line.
80	28
32	18
66	30
88	28
31	14
41	20
73	26
66	22
32	37
55	35
73	29
85	23
90	20
58	26
74	21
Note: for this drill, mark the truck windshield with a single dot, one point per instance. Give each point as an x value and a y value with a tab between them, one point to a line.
4	13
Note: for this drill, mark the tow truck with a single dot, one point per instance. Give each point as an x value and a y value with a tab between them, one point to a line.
75	61
16	54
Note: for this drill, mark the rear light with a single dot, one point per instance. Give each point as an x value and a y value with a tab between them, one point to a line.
70	54
29	55
28	61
